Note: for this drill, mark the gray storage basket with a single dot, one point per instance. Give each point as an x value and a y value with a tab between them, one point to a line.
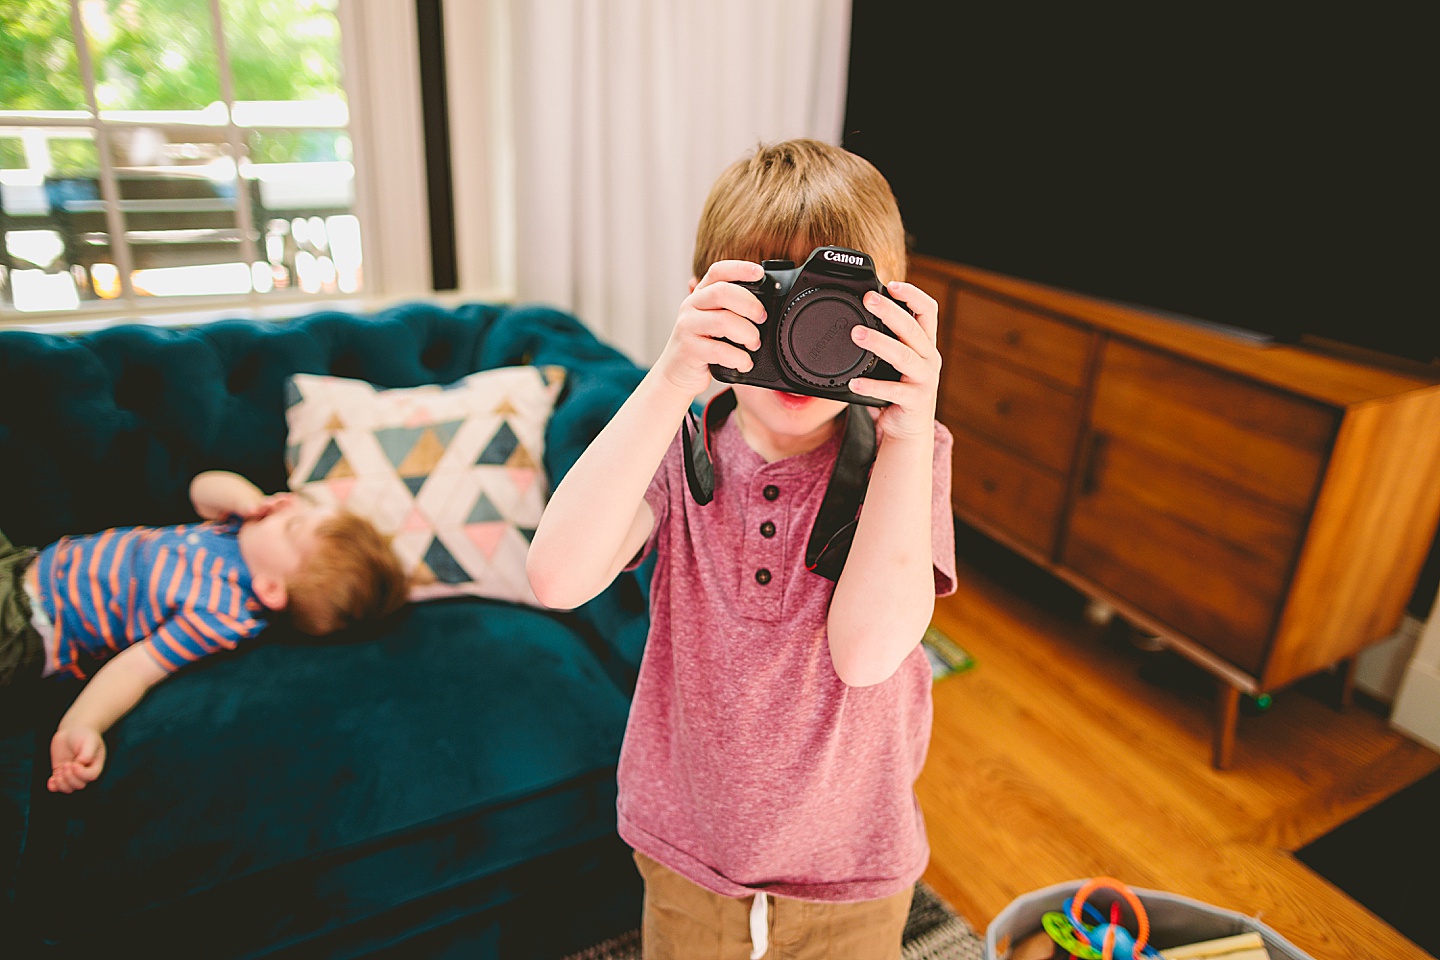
1174	920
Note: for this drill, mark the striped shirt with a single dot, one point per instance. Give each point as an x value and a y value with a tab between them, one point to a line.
182	591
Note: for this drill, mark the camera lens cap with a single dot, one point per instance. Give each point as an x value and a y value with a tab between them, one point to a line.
814	336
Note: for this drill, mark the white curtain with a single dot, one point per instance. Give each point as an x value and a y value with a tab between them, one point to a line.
624	113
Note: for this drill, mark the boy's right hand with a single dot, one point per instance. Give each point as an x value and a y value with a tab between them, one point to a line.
77	755
716	310
263	507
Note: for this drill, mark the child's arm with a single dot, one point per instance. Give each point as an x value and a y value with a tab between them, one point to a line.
885	596
217	494
597	518
77	751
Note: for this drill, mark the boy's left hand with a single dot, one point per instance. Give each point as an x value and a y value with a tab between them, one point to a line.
911	351
77	755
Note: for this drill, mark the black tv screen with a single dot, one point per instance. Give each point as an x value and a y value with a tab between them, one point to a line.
1269	171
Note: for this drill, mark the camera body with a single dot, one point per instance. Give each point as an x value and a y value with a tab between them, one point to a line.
805	342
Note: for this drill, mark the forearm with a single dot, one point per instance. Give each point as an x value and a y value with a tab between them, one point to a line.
885	596
114	690
590	521
217	494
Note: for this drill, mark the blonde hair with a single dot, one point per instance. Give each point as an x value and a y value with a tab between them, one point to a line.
350	576
785	199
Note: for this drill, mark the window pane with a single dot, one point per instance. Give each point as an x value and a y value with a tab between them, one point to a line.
152	54
38	69
56	242
305	188
178	192
283	49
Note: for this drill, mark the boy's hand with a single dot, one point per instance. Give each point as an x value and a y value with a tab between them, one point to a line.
77	755
259	509
912	352
716	309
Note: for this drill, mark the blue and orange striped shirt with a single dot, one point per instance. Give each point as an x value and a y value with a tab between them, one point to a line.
184	591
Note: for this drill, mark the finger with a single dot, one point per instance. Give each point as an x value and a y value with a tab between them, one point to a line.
725	355
731	271
921	304
889	390
727	296
902	324
892	351
86	752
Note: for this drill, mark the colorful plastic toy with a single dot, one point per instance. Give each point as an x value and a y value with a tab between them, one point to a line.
1101	939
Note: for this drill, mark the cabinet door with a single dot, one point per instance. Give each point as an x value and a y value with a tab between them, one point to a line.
1194	494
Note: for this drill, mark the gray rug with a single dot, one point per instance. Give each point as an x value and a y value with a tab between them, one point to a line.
933	932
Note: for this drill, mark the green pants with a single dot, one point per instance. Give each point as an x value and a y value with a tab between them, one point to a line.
22	652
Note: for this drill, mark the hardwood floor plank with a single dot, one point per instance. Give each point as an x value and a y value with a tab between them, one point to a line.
1064	754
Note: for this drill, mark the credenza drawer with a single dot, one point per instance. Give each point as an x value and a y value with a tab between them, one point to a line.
1046	346
1004	491
1019	413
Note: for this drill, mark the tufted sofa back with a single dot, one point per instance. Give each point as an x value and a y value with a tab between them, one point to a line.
107	429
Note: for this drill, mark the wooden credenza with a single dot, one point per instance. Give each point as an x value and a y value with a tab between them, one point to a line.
1265	509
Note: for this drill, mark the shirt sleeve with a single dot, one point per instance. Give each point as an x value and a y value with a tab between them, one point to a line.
670	473
193	633
942	518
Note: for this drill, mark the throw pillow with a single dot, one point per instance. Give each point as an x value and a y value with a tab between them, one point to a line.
453	473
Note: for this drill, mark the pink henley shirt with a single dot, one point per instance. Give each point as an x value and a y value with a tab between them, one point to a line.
747	764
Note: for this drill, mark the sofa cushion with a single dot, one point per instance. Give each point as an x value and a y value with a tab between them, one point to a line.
279	795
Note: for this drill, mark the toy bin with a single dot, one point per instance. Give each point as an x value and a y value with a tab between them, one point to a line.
1174	921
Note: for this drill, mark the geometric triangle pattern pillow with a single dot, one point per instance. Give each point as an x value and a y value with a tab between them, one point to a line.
454	474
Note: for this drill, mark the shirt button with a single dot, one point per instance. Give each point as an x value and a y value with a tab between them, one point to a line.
771	492
767	529
762	576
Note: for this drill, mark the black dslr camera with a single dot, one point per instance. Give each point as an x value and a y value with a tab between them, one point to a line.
805	343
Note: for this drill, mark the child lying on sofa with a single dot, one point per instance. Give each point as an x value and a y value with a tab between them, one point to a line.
128	606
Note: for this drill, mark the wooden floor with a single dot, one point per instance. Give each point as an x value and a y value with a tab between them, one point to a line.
1065	753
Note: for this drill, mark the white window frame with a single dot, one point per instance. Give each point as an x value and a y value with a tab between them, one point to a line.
381	64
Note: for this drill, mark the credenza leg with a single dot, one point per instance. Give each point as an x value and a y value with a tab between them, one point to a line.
1227	712
1346	695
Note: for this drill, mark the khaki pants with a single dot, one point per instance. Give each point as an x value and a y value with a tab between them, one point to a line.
684	921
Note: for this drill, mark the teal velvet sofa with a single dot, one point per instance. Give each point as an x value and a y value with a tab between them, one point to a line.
440	785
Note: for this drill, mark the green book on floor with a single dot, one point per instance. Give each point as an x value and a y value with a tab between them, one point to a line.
945	655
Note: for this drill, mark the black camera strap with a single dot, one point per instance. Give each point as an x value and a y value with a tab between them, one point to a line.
834	527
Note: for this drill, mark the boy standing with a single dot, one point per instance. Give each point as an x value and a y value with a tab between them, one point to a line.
127	607
780	718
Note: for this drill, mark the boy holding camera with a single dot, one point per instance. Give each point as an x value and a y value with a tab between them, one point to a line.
782	710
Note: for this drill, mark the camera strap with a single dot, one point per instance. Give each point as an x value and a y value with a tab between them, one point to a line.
834	527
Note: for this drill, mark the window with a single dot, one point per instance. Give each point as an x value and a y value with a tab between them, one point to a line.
176	151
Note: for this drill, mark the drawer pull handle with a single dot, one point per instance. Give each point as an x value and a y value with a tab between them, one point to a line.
989	485
1012	337
1094	463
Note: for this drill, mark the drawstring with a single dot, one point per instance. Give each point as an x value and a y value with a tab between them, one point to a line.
759	929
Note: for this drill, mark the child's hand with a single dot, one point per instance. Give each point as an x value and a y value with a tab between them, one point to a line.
716	309
912	352
258	509
77	755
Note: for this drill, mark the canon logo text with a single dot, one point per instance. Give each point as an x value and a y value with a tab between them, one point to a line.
849	258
